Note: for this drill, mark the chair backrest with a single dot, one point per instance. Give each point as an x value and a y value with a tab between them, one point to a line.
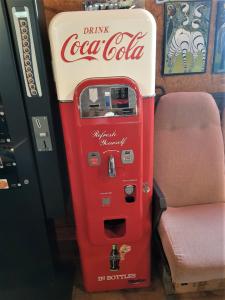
189	155
223	124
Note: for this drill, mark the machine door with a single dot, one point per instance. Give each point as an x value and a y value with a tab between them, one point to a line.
24	252
27	26
109	135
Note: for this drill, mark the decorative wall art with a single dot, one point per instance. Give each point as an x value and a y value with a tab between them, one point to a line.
112	4
219	47
161	1
186	37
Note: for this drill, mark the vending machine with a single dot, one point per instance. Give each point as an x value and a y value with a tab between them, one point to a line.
104	68
32	190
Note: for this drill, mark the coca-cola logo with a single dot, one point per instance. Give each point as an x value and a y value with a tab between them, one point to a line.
120	45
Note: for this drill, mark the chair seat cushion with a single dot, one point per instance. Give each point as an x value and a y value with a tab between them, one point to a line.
193	239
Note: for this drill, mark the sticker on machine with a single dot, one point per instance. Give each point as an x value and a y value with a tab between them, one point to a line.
4	184
117	255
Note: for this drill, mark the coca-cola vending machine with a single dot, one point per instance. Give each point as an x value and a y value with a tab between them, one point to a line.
104	68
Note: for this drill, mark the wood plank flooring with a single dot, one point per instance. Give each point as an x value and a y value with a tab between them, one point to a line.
155	292
69	252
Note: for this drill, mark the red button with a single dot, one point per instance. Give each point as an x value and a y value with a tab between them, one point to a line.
94	161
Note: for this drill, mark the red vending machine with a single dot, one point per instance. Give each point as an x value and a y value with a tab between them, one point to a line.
104	67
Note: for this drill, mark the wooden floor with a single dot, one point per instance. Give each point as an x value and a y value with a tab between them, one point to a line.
155	292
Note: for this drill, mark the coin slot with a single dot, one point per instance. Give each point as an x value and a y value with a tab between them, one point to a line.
1	163
24	29
130	199
24	36
94	159
27	62
34	92
28	68
115	228
42	133
23	23
32	86
29	74
30	80
26	56
94	105
26	49
38	123
130	193
45	145
25	43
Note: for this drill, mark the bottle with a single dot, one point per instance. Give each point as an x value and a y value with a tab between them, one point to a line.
114	258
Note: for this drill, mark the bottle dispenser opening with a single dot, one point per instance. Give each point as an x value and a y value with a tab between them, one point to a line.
115	228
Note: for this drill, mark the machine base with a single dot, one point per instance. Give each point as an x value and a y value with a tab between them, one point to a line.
132	270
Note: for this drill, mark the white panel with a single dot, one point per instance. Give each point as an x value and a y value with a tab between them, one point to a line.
103	44
27	52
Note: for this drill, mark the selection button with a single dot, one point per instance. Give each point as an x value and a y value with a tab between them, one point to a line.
127	156
94	159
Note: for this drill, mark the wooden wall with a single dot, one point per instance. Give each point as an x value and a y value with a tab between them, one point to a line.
197	82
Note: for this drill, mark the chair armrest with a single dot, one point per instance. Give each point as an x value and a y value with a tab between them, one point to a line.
158	204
